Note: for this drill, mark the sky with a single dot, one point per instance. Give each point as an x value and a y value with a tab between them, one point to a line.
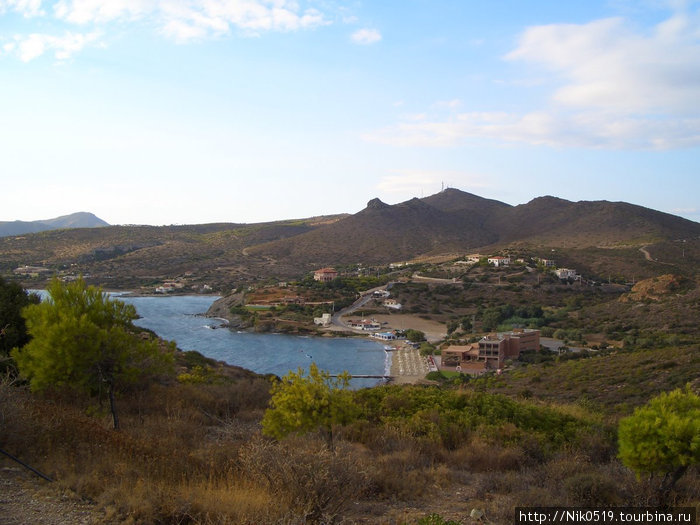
197	111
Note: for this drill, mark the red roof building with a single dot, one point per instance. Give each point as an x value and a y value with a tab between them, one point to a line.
325	275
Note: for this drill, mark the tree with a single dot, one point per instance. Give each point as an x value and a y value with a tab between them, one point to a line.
663	437
305	403
13	331
415	336
83	340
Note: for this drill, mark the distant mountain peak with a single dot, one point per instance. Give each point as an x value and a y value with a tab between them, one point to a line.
376	204
81	219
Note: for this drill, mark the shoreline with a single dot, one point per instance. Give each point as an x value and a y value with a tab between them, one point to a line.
402	365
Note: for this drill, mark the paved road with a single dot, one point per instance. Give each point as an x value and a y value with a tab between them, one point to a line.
360	303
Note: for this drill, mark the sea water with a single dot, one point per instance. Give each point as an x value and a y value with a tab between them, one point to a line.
179	319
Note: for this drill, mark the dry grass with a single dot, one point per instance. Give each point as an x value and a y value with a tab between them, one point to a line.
194	454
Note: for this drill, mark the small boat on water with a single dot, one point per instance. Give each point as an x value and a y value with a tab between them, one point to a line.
388	348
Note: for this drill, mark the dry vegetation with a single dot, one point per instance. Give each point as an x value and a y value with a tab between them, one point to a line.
193	453
191	450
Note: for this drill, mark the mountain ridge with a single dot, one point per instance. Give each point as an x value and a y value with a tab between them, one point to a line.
593	236
80	219
453	220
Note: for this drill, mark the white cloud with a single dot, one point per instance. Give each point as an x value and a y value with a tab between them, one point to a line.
588	130
102	11
192	19
181	20
28	8
366	36
32	46
613	87
605	65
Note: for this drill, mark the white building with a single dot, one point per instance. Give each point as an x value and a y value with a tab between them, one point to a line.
324	320
565	273
392	303
499	261
385	336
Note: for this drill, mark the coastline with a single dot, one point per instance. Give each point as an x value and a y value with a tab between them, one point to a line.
403	364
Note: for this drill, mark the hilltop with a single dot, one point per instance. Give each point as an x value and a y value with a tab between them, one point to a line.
74	220
599	238
453	220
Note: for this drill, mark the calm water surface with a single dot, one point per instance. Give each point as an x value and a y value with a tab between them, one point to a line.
175	318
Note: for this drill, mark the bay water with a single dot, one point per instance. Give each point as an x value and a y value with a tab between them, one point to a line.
179	319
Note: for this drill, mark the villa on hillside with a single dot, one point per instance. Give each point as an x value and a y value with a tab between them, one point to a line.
325	275
392	303
566	273
548	263
499	261
491	352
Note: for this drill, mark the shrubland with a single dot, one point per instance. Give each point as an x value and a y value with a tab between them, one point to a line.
208	443
195	453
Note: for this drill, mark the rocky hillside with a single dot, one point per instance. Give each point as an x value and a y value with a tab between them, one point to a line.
383	233
656	288
455	221
599	238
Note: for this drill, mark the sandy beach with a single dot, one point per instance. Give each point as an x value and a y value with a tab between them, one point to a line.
407	365
433	330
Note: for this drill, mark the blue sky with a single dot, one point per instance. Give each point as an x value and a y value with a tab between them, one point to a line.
195	111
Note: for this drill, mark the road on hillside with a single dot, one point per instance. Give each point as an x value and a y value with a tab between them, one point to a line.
362	301
648	257
420	278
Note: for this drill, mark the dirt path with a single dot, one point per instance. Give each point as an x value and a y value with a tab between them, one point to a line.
648	257
646	253
28	500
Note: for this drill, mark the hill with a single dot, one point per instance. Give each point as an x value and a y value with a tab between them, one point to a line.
550	220
383	233
133	256
454	221
600	239
74	220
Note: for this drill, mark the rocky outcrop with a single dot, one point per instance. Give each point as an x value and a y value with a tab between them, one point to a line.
655	289
221	308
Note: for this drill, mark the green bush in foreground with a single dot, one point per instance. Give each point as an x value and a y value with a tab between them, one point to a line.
304	403
663	436
83	340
